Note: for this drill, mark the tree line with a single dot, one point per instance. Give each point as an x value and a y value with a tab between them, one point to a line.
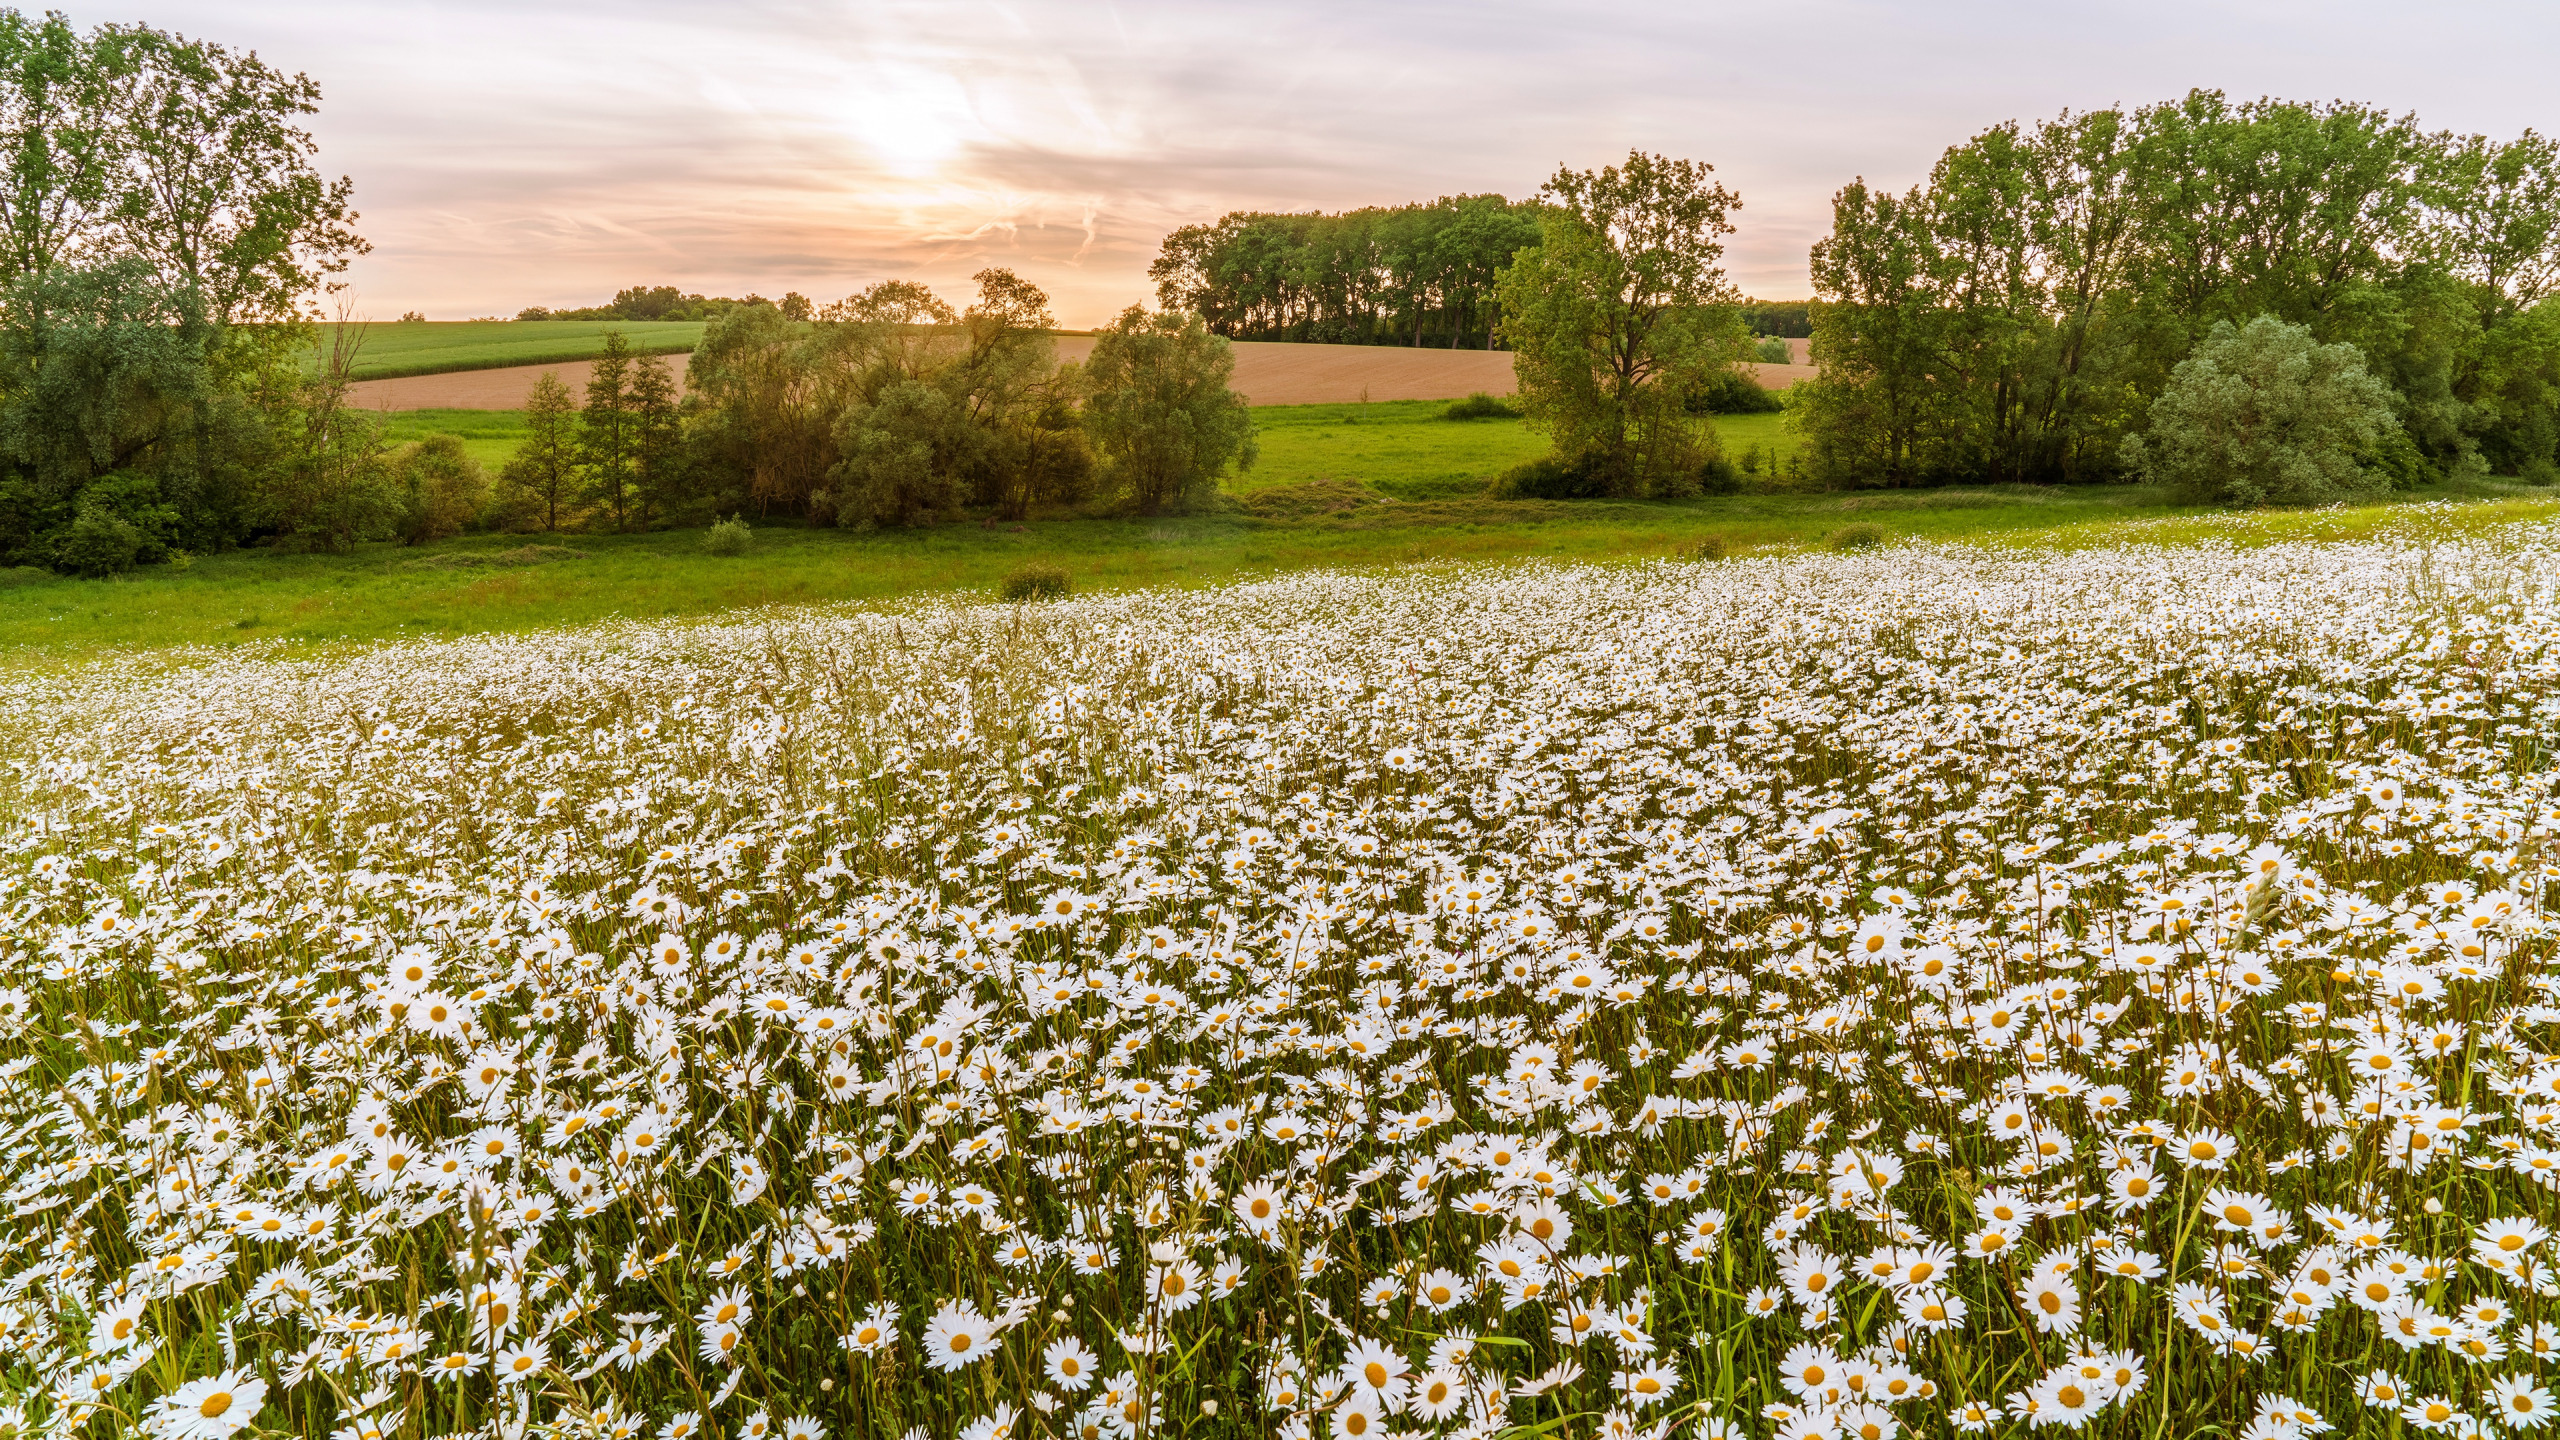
1424	274
2021	314
891	407
666	302
1420	274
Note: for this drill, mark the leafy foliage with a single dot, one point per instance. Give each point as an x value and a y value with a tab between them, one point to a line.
1407	275
1037	581
2264	414
162	238
1159	410
1618	313
2014	317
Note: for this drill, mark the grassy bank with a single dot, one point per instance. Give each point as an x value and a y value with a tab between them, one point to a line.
491	583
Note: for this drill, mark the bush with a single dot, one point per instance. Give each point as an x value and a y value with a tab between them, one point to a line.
1034	582
97	543
1481	406
729	537
442	489
2539	471
1861	536
1730	392
1709	547
1553	477
1773	351
1716	476
2264	414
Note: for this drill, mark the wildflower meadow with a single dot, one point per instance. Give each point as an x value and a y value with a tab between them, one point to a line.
1924	991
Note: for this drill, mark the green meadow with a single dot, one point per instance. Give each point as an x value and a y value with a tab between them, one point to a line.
489	583
1403	448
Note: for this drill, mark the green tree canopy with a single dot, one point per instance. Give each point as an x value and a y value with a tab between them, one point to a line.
164	237
2013	317
1159	408
2263	413
1619	312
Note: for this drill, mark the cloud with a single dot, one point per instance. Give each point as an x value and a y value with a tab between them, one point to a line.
544	152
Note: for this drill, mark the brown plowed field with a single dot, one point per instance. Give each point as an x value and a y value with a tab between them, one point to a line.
1267	373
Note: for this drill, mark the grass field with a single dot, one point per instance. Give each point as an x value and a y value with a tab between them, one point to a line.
438	347
491	436
1403	447
385	591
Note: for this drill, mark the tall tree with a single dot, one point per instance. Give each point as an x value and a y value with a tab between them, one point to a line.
150	180
605	430
658	469
1619	311
2014	317
543	473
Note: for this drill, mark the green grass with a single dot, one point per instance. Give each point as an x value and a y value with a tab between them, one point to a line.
438	347
1402	447
381	591
489	435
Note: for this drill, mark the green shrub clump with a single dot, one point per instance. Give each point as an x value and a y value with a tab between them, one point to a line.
1710	547
1034	582
1481	406
1730	392
1861	536
729	537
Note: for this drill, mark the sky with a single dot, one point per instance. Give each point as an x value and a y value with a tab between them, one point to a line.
509	153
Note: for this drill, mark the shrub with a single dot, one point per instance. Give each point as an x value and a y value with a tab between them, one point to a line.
1716	476
2539	471
1709	547
1730	392
1034	582
442	489
1861	536
1773	351
96	543
1481	406
1553	477
2264	414
729	537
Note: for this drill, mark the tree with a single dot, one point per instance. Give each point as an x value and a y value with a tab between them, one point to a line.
163	235
658	469
1618	312
605	430
2264	414
130	141
442	489
1418	274
331	485
766	396
543	473
1159	408
944	406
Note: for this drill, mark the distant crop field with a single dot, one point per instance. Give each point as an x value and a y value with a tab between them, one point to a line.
440	347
